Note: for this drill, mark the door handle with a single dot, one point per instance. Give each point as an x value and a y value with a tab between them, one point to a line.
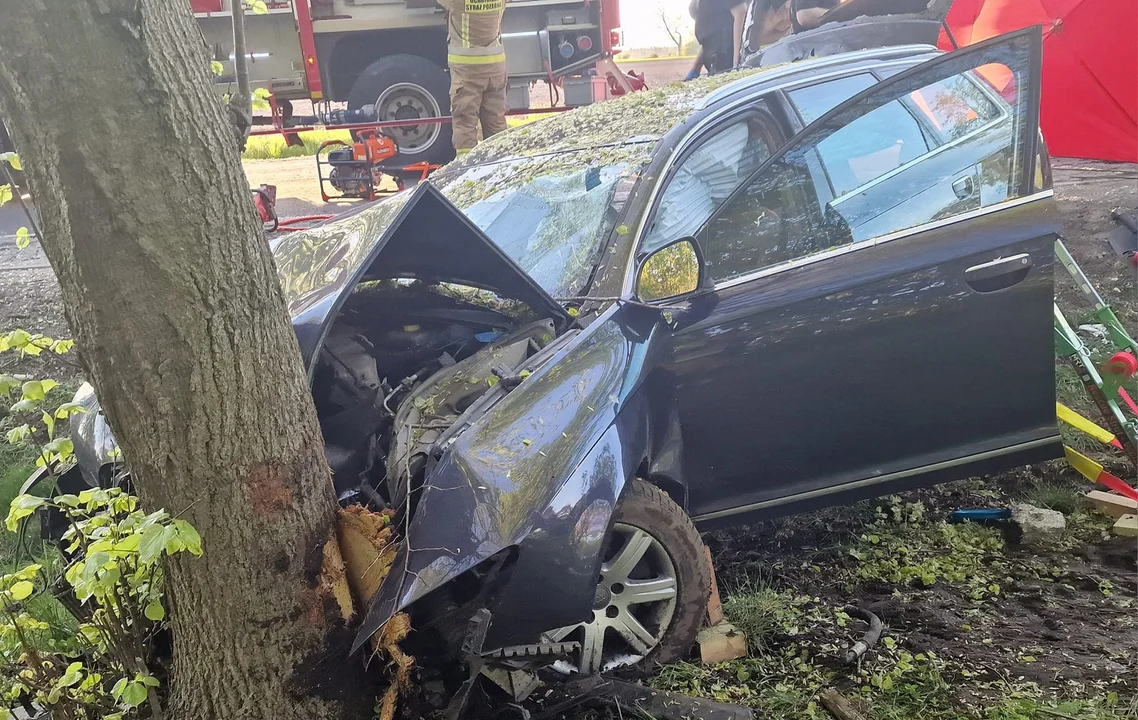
964	187
999	273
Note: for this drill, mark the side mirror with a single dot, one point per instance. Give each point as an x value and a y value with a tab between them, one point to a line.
670	272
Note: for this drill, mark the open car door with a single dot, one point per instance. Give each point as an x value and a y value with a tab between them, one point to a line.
876	312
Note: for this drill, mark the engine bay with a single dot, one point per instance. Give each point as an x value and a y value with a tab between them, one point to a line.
405	367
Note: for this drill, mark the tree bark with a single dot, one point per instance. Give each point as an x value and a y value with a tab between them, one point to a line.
173	298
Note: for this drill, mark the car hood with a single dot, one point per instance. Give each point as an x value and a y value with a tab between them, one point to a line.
420	234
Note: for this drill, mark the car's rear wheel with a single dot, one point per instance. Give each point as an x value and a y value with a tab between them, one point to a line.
652	591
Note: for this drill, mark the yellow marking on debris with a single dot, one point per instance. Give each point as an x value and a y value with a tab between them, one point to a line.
1079	422
1084	465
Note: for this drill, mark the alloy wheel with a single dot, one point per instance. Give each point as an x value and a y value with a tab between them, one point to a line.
632	605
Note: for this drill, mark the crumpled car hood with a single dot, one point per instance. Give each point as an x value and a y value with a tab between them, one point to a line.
420	235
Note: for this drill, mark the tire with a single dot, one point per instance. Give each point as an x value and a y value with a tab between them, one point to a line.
648	507
654	571
406	87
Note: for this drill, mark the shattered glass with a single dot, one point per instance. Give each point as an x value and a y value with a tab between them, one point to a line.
553	225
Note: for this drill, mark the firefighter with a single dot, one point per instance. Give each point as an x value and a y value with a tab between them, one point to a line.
719	31
477	63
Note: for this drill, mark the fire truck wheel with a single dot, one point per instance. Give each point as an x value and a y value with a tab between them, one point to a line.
408	87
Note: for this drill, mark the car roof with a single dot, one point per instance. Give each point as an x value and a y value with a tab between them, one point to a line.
651	114
771	77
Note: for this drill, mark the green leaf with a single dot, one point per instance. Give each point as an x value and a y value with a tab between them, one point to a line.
258	7
68	409
154	611
5	193
216	67
19	433
18	339
22	406
22	506
22	590
33	390
60	347
116	691
153	542
49	423
12	159
23	239
63	447
128	543
148	680
73	675
7	384
134	694
189	536
261	93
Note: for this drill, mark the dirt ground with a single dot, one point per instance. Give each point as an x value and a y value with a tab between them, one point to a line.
971	616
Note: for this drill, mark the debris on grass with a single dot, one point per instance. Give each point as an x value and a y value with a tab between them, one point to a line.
978	628
1039	527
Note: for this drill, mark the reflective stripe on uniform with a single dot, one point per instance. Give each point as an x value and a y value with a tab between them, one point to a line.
455	58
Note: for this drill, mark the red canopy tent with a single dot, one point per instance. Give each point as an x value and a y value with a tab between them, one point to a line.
1090	67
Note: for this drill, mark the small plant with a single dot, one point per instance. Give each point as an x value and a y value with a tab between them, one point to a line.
109	576
1054	496
761	613
115	574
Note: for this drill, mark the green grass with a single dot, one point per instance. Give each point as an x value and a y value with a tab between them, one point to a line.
760	613
1064	497
273	147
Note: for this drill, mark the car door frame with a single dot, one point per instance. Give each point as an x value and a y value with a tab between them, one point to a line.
839	116
772	107
897	85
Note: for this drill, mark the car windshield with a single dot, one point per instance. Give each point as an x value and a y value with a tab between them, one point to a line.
550	213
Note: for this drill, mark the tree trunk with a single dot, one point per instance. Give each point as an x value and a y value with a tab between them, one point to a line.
173	297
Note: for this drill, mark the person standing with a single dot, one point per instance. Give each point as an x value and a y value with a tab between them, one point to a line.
477	61
719	31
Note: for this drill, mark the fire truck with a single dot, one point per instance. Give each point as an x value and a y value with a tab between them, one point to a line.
387	58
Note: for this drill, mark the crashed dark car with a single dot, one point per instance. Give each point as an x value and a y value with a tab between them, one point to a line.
757	294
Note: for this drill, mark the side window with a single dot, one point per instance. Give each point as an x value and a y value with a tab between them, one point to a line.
944	149
708	175
814	101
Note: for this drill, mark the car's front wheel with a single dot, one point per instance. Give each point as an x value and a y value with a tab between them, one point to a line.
652	592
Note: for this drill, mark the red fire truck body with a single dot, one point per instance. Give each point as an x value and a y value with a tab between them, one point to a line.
390	55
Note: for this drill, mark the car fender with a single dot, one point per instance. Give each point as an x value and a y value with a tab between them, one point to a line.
542	471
